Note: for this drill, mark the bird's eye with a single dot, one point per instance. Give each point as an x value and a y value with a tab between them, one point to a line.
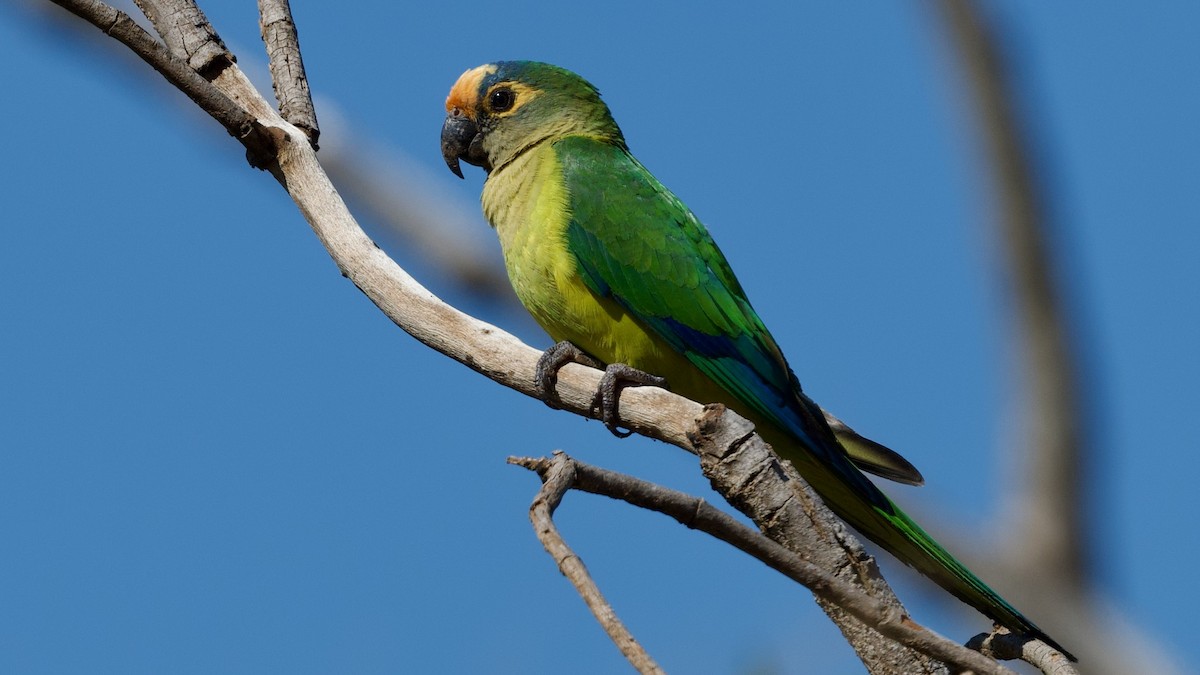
502	99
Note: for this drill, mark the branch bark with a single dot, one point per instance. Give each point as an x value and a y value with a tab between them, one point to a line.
287	67
1005	646
187	33
744	470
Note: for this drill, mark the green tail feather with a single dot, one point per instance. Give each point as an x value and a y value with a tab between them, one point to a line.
864	506
904	539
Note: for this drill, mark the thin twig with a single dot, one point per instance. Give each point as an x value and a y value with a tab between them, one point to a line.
1000	644
287	67
558	476
698	514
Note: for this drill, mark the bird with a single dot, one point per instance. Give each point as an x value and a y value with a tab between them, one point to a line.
621	274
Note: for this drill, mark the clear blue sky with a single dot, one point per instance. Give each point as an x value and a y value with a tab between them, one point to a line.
217	456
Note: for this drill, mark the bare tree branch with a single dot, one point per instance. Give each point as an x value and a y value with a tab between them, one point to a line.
398	193
287	67
693	512
770	492
395	192
1003	645
558	476
187	33
121	27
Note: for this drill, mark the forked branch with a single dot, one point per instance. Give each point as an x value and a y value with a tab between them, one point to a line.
559	476
561	473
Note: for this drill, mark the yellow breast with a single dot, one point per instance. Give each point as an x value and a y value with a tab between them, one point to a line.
528	204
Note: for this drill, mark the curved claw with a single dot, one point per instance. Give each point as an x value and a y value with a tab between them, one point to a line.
608	394
545	376
616	377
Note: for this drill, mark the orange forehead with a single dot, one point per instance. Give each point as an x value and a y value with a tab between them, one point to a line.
464	95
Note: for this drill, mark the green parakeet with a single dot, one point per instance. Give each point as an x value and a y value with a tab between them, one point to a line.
606	258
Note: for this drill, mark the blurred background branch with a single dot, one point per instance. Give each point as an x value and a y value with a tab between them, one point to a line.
1047	519
1045	551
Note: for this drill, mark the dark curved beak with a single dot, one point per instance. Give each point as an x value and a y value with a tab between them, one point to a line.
461	139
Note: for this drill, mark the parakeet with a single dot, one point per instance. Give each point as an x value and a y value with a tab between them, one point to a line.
607	259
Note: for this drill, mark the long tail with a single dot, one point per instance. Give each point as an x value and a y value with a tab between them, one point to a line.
874	515
906	540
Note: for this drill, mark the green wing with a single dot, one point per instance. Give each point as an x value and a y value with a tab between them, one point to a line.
638	244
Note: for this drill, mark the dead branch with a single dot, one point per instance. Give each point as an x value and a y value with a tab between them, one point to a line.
187	33
1003	645
176	70
558	476
881	616
769	492
287	68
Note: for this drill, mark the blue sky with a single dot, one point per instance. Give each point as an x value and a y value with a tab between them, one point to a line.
217	456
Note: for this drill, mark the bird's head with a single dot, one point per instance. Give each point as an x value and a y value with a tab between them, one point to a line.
497	111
